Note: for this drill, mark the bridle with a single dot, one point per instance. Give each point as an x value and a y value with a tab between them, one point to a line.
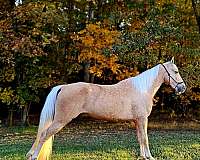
177	83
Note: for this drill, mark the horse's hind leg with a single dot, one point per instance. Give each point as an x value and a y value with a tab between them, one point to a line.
31	151
54	128
46	134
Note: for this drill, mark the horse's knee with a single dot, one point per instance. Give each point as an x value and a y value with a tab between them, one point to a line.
43	137
53	129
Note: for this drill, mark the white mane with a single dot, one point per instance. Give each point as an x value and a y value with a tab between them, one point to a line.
144	81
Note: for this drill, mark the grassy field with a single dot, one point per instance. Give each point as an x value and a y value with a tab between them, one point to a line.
104	141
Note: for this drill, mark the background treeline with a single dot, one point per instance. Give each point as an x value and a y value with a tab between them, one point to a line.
46	43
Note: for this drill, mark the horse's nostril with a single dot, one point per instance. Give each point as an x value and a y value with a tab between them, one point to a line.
182	88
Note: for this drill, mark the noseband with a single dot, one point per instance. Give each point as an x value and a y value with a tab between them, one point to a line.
177	83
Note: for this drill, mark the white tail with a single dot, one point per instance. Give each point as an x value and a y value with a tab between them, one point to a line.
46	118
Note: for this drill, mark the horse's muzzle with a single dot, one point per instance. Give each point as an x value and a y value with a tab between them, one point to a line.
180	88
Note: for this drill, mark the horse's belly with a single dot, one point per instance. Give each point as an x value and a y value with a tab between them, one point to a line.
111	109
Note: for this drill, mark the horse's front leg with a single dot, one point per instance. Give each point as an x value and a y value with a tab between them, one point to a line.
141	129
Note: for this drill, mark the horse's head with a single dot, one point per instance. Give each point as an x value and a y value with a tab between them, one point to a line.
172	77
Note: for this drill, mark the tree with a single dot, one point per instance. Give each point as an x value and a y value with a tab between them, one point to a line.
95	46
196	8
30	53
46	43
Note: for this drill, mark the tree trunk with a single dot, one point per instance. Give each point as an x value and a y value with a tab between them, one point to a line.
91	11
92	78
98	14
86	72
25	115
10	117
197	15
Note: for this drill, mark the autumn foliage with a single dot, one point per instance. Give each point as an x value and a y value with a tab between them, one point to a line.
46	43
93	42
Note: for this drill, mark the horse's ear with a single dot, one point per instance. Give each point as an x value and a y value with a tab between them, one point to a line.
172	60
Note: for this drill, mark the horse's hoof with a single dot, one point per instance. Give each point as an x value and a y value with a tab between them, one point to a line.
151	158
145	158
141	158
28	156
32	158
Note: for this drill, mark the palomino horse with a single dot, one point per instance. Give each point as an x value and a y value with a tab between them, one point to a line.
130	99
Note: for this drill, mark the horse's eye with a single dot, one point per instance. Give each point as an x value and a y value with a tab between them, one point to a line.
176	72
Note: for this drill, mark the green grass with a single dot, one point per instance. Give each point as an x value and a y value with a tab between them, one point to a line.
103	141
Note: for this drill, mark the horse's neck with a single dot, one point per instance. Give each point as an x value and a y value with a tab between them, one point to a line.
157	82
148	81
159	79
